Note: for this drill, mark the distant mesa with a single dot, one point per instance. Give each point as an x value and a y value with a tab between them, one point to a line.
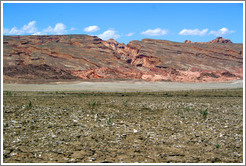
217	40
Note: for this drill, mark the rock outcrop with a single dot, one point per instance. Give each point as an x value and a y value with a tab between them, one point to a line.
83	57
217	40
220	40
187	41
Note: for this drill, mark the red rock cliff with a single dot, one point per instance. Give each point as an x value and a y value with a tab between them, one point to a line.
69	57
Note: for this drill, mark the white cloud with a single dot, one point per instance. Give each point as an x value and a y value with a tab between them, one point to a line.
193	32
48	29
155	32
5	30
93	28
129	34
221	32
72	29
15	31
30	27
59	29
109	34
39	33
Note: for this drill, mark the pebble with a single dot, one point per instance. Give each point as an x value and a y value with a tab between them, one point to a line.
13	154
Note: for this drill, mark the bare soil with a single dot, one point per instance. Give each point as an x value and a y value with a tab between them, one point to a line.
121	86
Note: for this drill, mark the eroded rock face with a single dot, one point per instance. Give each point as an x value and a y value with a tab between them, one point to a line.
69	57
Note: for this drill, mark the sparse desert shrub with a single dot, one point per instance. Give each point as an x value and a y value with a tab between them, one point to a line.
109	122
217	145
29	106
187	108
21	106
204	113
92	105
125	103
178	112
9	93
57	93
167	94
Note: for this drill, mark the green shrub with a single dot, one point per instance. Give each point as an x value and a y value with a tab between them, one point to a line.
9	93
187	108
29	106
217	145
109	122
204	113
92	105
178	112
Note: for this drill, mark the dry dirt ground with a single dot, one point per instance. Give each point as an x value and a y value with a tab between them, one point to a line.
121	86
195	126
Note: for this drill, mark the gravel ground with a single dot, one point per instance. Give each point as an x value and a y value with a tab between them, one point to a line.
204	126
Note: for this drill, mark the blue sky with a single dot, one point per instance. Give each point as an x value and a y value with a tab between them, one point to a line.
127	21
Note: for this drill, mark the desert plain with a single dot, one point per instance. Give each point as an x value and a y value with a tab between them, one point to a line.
120	125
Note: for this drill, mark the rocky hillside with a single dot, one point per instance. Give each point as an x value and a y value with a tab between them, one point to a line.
83	57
